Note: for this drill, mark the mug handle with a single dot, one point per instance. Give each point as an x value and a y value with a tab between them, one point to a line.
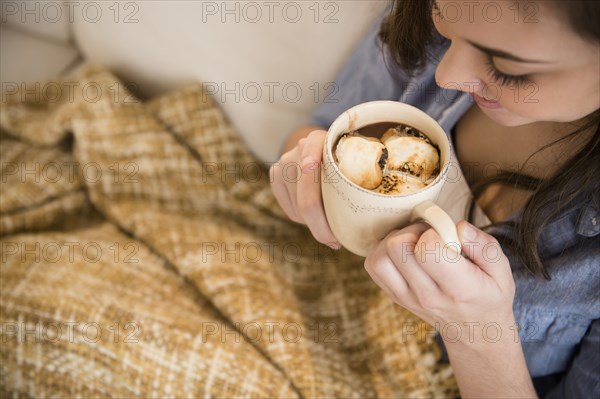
437	218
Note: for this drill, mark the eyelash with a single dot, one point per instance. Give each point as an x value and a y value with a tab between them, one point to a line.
504	79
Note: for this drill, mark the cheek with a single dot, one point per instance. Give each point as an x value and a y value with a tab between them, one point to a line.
440	25
525	99
554	98
585	90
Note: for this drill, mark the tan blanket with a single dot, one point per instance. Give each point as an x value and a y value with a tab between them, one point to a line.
143	255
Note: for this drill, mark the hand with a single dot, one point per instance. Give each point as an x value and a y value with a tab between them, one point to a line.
296	183
420	273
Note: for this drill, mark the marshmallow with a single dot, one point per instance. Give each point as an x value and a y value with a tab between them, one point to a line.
361	159
397	183
411	152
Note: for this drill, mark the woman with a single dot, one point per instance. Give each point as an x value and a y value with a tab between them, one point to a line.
518	88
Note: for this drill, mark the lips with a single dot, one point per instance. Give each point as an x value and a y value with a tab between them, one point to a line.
482	102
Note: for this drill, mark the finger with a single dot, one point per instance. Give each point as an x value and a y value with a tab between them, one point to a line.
484	251
443	264
312	151
291	178
400	247
280	189
308	195
312	211
400	243
281	194
383	271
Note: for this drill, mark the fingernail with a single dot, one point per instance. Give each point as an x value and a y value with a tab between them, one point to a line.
468	231
334	246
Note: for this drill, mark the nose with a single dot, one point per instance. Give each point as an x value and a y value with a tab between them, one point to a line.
457	70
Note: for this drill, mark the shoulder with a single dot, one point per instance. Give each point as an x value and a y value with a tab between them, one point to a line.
554	315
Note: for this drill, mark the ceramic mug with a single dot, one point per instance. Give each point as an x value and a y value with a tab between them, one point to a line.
359	218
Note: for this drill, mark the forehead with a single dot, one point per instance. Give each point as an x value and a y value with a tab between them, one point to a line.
527	28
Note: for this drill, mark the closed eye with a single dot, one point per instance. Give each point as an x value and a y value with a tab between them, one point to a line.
504	79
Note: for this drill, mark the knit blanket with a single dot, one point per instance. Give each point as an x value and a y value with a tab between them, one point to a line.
143	255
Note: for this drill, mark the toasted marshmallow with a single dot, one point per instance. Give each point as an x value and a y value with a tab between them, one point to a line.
361	159
398	183
411	152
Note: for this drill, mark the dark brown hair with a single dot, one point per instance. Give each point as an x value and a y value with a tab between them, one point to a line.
409	36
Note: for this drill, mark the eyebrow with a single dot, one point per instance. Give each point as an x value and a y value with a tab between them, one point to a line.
503	54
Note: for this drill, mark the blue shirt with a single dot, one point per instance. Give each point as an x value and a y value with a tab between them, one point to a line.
560	318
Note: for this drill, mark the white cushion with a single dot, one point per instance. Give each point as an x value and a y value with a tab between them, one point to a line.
48	19
267	63
25	58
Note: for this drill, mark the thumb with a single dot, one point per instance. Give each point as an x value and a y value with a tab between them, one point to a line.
483	250
312	151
